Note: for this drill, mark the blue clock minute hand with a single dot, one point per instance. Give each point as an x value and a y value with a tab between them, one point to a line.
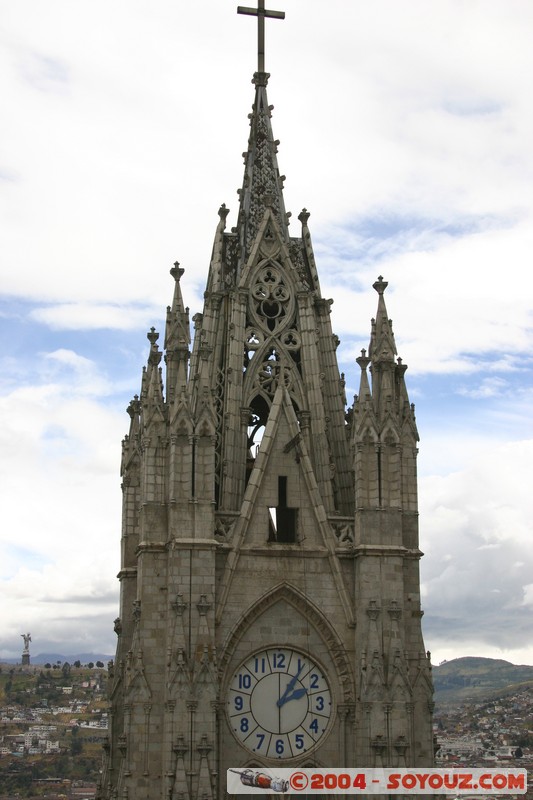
290	686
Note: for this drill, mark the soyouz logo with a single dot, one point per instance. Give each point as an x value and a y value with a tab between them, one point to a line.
377	781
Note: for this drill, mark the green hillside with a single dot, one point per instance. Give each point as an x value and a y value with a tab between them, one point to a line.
471	678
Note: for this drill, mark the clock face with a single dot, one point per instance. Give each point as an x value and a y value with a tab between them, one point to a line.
279	703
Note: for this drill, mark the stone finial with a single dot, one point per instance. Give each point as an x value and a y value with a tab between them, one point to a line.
204	748
203	606
401	366
179	605
134	408
176	272
180	747
380	285
363	360
223	212
373	611
155	356
303	216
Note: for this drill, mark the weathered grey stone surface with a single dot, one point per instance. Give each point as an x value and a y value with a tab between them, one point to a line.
207	577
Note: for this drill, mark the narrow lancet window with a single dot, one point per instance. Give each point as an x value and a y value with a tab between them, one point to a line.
282	520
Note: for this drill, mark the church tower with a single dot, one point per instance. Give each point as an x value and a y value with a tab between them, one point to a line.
270	595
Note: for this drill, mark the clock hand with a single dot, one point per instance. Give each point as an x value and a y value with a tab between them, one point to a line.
290	686
297	693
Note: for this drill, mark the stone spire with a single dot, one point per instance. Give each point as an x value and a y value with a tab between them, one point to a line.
262	187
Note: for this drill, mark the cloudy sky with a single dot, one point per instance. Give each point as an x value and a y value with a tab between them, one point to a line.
406	129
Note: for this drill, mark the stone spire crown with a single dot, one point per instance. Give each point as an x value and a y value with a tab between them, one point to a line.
262	186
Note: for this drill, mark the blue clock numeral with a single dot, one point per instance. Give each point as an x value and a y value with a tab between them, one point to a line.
280	746
245	681
314	726
320	703
239	703
259	664
261	737
244	725
314	681
279	663
299	741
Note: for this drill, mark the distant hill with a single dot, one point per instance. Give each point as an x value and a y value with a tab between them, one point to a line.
53	658
463	679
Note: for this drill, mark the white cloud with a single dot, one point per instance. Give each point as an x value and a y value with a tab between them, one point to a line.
60	501
489	387
90	316
476	533
528	595
451	306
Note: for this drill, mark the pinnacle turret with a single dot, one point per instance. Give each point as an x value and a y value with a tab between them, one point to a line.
388	392
177	339
365	395
152	385
382	345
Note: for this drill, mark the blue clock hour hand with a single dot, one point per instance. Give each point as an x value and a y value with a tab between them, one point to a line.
289	694
295	695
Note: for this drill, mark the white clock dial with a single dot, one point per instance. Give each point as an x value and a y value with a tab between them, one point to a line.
279	703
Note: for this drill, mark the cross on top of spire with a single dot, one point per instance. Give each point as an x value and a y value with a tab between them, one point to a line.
260	12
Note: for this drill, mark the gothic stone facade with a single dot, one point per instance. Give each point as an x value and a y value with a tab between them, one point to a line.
270	598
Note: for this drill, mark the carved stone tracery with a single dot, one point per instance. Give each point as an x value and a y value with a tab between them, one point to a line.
272	304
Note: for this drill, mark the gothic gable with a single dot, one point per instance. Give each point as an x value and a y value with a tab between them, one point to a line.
285	601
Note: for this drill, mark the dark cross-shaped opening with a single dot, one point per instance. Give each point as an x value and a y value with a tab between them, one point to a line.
260	12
